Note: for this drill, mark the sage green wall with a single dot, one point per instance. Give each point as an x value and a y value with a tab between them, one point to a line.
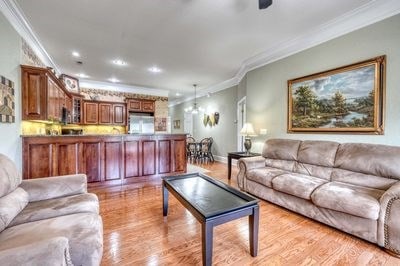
242	90
177	113
224	134
267	86
10	51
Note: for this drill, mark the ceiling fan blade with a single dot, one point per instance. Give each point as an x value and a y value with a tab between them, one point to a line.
263	4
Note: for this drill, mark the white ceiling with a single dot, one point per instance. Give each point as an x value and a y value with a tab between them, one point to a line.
193	41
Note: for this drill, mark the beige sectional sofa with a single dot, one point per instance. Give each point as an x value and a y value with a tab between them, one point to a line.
351	186
48	221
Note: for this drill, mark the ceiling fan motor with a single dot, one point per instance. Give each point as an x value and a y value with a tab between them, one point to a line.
263	4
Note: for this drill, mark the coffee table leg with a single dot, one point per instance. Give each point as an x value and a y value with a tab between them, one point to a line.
207	242
229	166
253	234
165	199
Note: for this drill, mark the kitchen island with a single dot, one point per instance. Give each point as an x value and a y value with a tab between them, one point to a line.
105	159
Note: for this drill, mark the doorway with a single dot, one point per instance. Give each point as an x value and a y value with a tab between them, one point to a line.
188	123
241	120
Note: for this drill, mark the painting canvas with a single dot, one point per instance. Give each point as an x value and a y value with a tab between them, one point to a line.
7	100
177	124
160	124
343	100
71	83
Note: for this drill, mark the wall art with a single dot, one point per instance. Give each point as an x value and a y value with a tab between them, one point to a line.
7	101
348	99
177	124
160	124
71	83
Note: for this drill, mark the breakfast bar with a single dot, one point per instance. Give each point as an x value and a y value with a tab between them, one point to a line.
105	159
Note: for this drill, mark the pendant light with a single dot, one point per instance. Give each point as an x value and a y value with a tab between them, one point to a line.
194	109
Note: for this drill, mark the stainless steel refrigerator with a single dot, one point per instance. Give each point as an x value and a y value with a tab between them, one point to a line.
141	124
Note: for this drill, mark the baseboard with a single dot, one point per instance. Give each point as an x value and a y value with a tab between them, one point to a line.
223	159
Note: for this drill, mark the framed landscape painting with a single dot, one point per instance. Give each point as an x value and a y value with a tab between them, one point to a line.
348	99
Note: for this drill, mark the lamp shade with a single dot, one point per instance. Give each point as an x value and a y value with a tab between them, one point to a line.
248	130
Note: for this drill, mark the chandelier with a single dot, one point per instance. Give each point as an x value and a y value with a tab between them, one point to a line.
194	109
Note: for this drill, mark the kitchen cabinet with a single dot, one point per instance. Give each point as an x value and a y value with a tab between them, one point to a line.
141	105
43	94
77	109
119	114
90	113
104	113
148	106
105	159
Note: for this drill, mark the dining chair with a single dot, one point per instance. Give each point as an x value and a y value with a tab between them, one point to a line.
191	148
205	150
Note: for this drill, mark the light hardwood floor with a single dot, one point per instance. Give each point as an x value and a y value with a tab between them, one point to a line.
135	233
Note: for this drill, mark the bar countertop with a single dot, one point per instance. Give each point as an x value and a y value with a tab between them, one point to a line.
104	135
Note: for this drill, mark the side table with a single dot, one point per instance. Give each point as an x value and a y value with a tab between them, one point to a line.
238	155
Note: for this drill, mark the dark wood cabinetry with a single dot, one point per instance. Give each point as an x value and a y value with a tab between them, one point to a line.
119	114
43	95
105	159
104	113
140	105
90	113
148	106
77	109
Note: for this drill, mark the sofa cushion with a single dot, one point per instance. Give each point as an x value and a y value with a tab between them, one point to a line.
50	208
10	178
351	199
47	252
83	230
264	175
360	179
10	205
297	184
318	152
280	164
313	170
370	159
284	149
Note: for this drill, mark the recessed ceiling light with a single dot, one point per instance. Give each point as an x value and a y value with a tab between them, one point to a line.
119	62
82	75
113	80
154	69
178	94
75	54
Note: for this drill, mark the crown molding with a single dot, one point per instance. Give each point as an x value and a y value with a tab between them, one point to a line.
17	19
358	18
363	16
92	84
209	90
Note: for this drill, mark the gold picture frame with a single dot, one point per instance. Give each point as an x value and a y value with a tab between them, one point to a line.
177	124
348	99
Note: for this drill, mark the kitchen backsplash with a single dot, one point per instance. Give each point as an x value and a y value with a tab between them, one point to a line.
40	128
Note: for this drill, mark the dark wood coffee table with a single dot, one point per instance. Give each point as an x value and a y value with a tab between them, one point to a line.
212	203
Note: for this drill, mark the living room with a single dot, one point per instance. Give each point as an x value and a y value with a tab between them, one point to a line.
256	87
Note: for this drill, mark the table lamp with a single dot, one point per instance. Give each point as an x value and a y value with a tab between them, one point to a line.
247	131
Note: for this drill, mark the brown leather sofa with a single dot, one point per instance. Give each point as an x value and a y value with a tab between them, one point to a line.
351	186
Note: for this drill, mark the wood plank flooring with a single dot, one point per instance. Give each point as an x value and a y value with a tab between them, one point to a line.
135	233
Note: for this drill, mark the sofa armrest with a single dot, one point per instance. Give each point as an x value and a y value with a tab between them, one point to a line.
48	252
246	164
54	187
389	217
